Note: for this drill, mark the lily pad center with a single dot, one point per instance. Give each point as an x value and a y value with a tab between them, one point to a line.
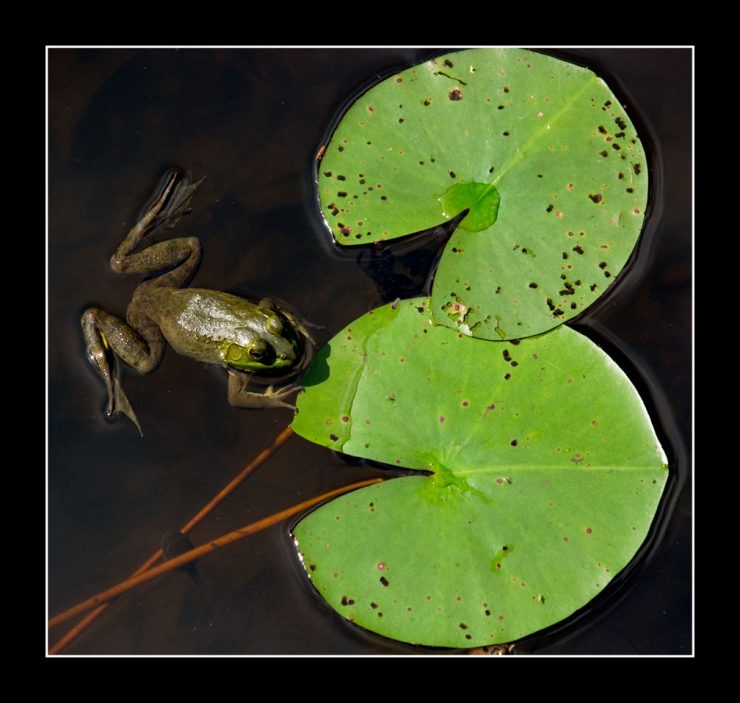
482	201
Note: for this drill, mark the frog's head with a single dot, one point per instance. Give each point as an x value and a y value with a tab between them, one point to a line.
274	347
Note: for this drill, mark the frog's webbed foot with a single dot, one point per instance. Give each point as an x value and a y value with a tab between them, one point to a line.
299	323
174	202
241	397
119	404
171	203
106	334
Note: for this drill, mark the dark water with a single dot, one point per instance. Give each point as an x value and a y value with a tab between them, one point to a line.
251	121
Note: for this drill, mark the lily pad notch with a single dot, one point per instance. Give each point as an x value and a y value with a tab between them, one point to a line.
541	153
546	476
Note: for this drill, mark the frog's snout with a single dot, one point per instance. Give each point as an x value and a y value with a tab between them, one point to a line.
286	357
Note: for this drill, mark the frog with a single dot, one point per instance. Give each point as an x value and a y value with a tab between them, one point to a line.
264	342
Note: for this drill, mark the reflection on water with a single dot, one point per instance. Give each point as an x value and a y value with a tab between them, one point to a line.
251	122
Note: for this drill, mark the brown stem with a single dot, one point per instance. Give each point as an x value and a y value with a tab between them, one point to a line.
249	469
212	546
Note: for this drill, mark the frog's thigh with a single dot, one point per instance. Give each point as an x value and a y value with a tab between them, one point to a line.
125	341
182	253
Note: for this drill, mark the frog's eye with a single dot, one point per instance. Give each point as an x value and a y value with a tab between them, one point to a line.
258	350
275	325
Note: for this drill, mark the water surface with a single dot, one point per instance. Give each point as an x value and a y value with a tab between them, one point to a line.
251	122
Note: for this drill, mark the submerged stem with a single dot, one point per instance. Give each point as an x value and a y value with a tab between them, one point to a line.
249	469
193	554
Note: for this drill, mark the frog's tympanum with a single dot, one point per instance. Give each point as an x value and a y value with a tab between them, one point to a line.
249	340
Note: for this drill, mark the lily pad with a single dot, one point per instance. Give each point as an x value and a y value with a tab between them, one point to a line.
544	477
538	150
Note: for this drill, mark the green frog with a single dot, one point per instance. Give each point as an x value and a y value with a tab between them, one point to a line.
263	341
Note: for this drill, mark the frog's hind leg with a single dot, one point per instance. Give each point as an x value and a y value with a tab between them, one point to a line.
139	343
182	254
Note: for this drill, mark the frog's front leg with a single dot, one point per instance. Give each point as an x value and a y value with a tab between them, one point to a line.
141	348
240	397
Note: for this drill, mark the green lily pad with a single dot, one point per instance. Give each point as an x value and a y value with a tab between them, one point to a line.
545	475
538	150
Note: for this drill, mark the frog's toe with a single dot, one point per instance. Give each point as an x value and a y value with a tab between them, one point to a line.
284	391
276	397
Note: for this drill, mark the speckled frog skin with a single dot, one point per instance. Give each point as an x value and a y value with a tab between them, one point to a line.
209	326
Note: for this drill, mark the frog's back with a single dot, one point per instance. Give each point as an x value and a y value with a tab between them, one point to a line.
199	323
